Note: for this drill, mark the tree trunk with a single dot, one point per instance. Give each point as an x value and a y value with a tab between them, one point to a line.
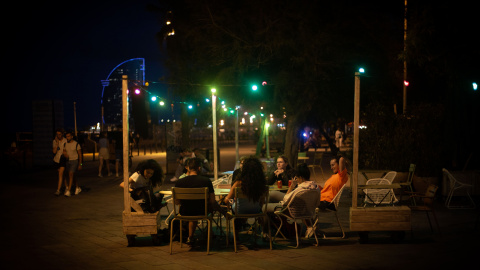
291	141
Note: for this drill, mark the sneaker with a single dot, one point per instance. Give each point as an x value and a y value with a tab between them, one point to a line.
78	190
67	193
57	193
309	232
100	175
191	241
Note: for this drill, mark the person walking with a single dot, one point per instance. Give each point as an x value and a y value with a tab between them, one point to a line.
58	158
104	154
72	151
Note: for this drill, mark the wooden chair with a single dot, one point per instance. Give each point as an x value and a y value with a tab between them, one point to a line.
426	203
317	163
455	185
190	194
233	214
335	202
301	207
408	185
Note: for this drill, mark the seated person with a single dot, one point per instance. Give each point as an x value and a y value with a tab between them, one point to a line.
284	173
253	185
192	207
334	183
147	176
301	181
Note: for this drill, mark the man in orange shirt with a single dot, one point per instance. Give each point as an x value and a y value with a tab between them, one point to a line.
334	183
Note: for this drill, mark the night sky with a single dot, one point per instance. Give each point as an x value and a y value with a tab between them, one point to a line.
63	50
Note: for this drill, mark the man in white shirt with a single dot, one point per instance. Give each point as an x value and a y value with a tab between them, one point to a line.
72	151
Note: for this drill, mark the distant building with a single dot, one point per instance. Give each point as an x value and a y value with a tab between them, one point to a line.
111	102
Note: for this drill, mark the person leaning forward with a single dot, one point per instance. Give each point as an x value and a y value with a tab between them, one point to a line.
193	208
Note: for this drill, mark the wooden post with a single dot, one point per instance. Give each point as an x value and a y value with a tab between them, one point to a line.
356	123
126	193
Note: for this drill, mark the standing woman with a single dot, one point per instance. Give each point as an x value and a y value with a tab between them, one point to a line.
103	153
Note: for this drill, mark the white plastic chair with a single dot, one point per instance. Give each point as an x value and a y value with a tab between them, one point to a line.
390	176
454	186
379	196
335	202
301	207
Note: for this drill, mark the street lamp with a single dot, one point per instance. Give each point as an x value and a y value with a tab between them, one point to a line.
214	127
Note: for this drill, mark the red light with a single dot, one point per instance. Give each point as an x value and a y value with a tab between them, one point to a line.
264	83
406	83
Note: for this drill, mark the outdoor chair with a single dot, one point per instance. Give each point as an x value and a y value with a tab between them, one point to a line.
317	163
408	185
301	207
335	202
426	203
262	216
390	176
455	186
379	196
190	194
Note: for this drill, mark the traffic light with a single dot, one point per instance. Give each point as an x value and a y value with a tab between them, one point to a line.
254	87
475	86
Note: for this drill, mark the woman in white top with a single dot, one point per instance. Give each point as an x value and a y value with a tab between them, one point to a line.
147	176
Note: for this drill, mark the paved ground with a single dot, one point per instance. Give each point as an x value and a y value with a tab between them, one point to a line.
41	231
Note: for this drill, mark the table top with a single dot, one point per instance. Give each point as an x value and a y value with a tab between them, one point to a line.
225	191
303	158
394	185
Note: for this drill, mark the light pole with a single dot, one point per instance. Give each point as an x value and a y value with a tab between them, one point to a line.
214	128
237	158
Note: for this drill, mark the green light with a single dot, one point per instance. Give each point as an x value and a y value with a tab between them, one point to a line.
361	70
154	98
190	107
232	111
213	90
162	103
254	87
475	86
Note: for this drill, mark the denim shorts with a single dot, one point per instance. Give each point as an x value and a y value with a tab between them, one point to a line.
72	165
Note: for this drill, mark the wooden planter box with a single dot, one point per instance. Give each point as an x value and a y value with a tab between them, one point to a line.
385	218
136	223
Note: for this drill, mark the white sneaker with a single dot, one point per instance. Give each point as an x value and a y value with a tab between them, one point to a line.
78	190
309	232
57	193
67	193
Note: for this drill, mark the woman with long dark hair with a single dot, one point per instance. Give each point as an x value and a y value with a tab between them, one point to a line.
253	185
147	176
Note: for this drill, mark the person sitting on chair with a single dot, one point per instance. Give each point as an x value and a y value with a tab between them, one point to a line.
192	207
334	183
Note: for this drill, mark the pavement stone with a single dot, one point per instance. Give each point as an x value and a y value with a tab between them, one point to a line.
42	231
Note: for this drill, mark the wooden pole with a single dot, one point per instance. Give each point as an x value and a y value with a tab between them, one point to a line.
356	123
405	59
126	193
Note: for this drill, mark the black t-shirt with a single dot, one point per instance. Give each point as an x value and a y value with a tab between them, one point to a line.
284	177
194	207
